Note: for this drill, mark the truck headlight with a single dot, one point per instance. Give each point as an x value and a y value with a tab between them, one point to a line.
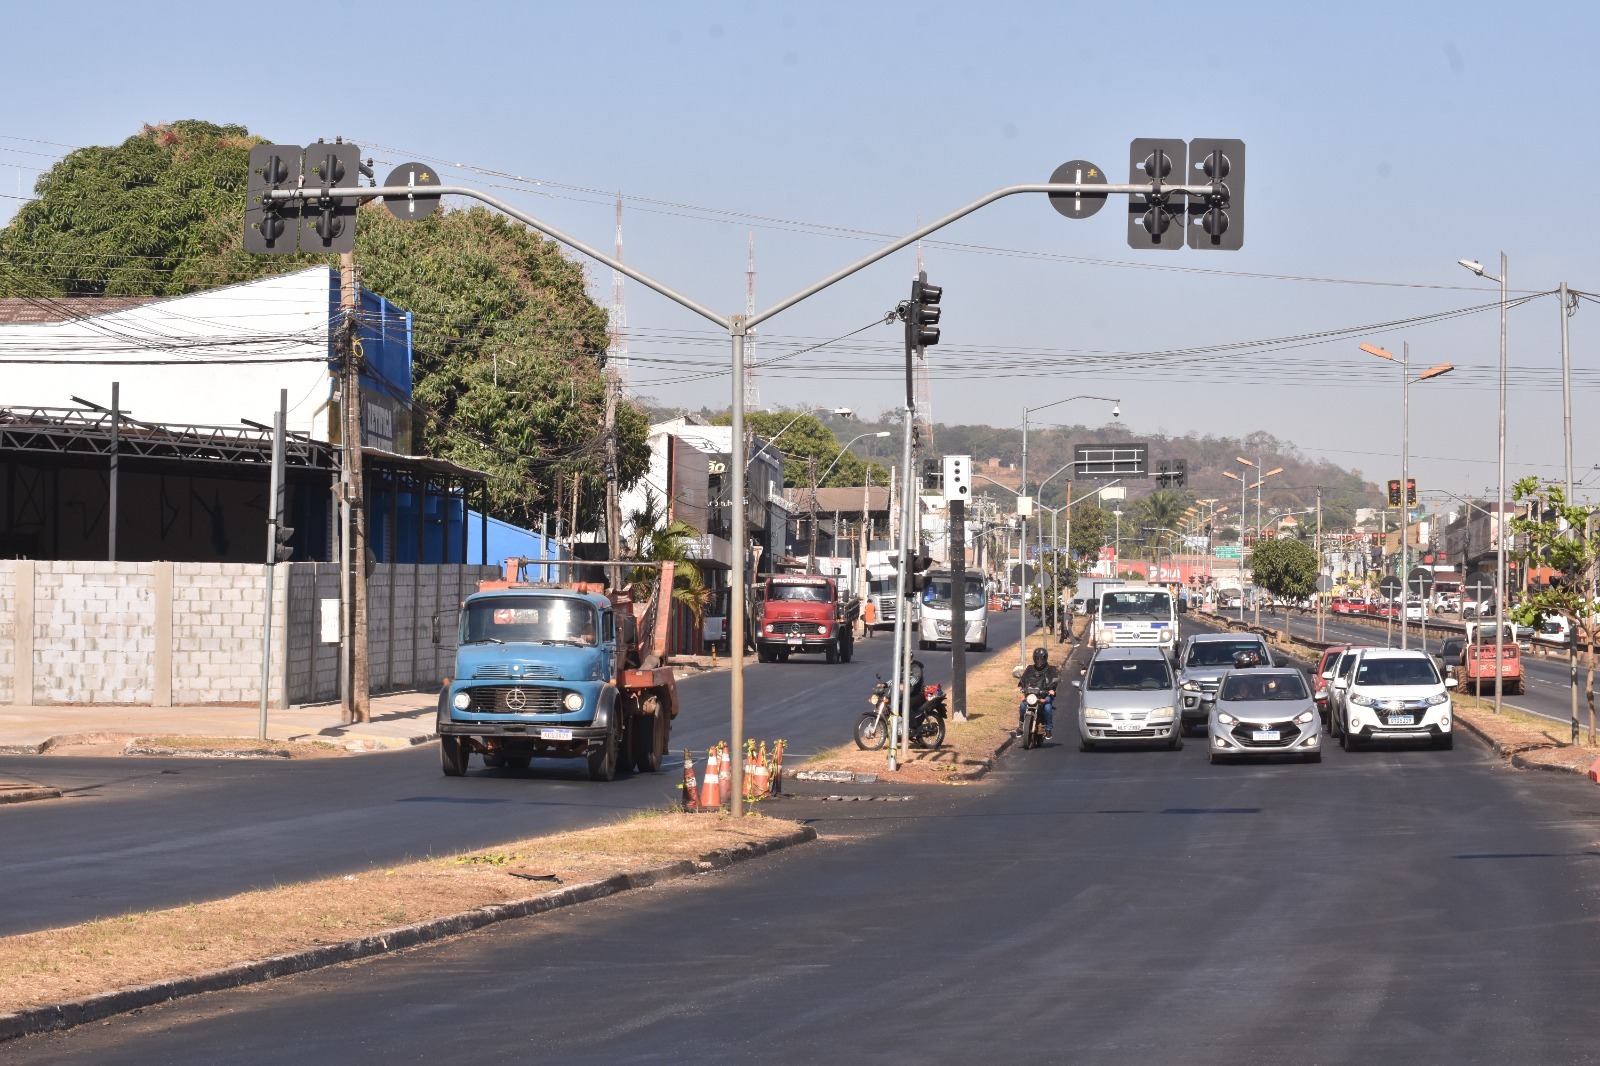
573	702
1191	686
822	631
1166	636
462	701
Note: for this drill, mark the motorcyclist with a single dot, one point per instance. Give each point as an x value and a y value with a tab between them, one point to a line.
1043	677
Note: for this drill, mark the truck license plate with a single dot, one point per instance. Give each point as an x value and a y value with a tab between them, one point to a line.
555	734
1264	735
1402	719
796	641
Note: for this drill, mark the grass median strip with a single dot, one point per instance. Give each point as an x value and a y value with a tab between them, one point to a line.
76	962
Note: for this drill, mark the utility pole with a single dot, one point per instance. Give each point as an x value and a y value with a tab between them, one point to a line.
116	446
1319	563
354	563
811	518
1566	420
958	610
275	538
613	510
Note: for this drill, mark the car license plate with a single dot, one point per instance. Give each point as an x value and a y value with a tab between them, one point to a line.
1402	719
555	734
1263	735
1129	727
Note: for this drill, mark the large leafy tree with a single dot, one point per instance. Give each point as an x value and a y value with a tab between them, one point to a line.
1092	528
1286	568
1554	533
508	375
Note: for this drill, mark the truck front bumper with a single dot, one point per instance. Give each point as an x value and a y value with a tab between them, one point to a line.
544	739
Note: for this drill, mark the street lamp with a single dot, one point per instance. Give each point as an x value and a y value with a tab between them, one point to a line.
1406	381
842	412
1022	544
1500	509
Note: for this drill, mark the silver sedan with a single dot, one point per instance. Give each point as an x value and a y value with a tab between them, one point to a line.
1264	712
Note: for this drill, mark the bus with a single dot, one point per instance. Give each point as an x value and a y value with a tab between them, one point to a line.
934	628
1137	616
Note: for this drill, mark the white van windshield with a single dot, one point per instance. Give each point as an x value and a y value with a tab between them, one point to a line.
1136	605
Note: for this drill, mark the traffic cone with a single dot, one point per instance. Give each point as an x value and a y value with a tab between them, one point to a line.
691	790
725	773
711	787
777	768
1594	771
759	791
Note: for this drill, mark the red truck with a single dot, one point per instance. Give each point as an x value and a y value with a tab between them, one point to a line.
804	613
1477	668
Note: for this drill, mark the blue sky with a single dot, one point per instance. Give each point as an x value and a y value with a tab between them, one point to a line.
1385	141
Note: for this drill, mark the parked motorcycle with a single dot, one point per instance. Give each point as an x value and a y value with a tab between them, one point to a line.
927	721
1033	717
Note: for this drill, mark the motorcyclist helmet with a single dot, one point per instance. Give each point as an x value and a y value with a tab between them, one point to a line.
915	677
1041	657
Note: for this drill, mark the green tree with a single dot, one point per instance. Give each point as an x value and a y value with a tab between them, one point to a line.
1286	568
657	540
803	439
1162	509
1556	534
509	349
1092	528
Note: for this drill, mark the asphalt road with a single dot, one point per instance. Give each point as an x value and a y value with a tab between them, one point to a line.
135	833
1110	907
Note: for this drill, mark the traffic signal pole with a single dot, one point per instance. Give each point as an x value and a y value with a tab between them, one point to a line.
737	326
274	523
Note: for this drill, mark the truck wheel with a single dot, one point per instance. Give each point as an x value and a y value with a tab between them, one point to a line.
603	763
762	654
649	733
454	754
831	653
847	648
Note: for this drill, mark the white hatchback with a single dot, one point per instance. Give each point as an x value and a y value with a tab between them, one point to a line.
1392	694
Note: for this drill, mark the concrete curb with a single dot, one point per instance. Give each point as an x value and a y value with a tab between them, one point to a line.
27	794
58	1016
1514	755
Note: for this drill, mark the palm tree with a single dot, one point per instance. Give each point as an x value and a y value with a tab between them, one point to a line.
1162	509
657	540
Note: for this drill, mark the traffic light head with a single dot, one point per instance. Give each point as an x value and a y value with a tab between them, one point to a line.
280	542
1411	490
329	224
1216	218
1394	492
1156	220
922	314
272	227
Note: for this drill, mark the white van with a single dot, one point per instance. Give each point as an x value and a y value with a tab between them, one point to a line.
1136	616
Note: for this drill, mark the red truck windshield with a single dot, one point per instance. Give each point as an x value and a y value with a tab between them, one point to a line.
799	593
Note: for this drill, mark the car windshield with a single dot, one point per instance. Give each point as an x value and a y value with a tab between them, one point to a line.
1407	671
798	593
529	619
938	593
1129	674
1136	605
1253	686
1220	652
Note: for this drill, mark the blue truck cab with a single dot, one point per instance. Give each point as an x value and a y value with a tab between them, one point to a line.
553	671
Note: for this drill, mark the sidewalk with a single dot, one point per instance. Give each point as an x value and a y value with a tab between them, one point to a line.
398	721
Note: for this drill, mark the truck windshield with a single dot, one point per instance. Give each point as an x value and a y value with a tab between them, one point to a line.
529	620
798	593
1136	605
938	594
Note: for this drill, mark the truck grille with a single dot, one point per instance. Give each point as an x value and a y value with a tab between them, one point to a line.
517	699
525	670
795	629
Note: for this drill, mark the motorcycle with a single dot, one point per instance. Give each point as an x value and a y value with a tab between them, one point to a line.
1033	717
927	721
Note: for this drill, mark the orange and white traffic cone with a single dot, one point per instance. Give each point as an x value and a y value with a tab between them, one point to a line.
725	773
711	786
691	790
776	779
760	789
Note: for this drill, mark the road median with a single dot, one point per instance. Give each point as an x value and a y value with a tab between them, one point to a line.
58	978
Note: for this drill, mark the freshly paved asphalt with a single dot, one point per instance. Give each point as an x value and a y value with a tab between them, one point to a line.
137	833
1119	907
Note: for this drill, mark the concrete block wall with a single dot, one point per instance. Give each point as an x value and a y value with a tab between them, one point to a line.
93	632
8	629
217	614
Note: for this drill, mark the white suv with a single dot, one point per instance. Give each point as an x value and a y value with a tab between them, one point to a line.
1395	695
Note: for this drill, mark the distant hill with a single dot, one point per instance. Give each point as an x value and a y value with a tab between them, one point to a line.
997	453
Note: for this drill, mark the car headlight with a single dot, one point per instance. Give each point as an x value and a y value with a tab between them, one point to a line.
1305	718
1224	718
1160	712
573	702
1361	701
1438	698
1097	714
1191	686
462	701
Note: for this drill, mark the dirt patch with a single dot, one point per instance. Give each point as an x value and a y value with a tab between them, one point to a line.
59	965
1525	740
235	747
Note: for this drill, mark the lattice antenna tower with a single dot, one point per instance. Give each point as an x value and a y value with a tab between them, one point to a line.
924	391
617	347
752	392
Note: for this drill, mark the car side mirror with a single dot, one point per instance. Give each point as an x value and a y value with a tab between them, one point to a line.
1328	676
1451	682
1320	694
1343	682
1076	683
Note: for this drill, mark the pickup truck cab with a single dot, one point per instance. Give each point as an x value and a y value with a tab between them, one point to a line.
554	671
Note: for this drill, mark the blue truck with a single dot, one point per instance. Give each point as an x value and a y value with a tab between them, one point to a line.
558	670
